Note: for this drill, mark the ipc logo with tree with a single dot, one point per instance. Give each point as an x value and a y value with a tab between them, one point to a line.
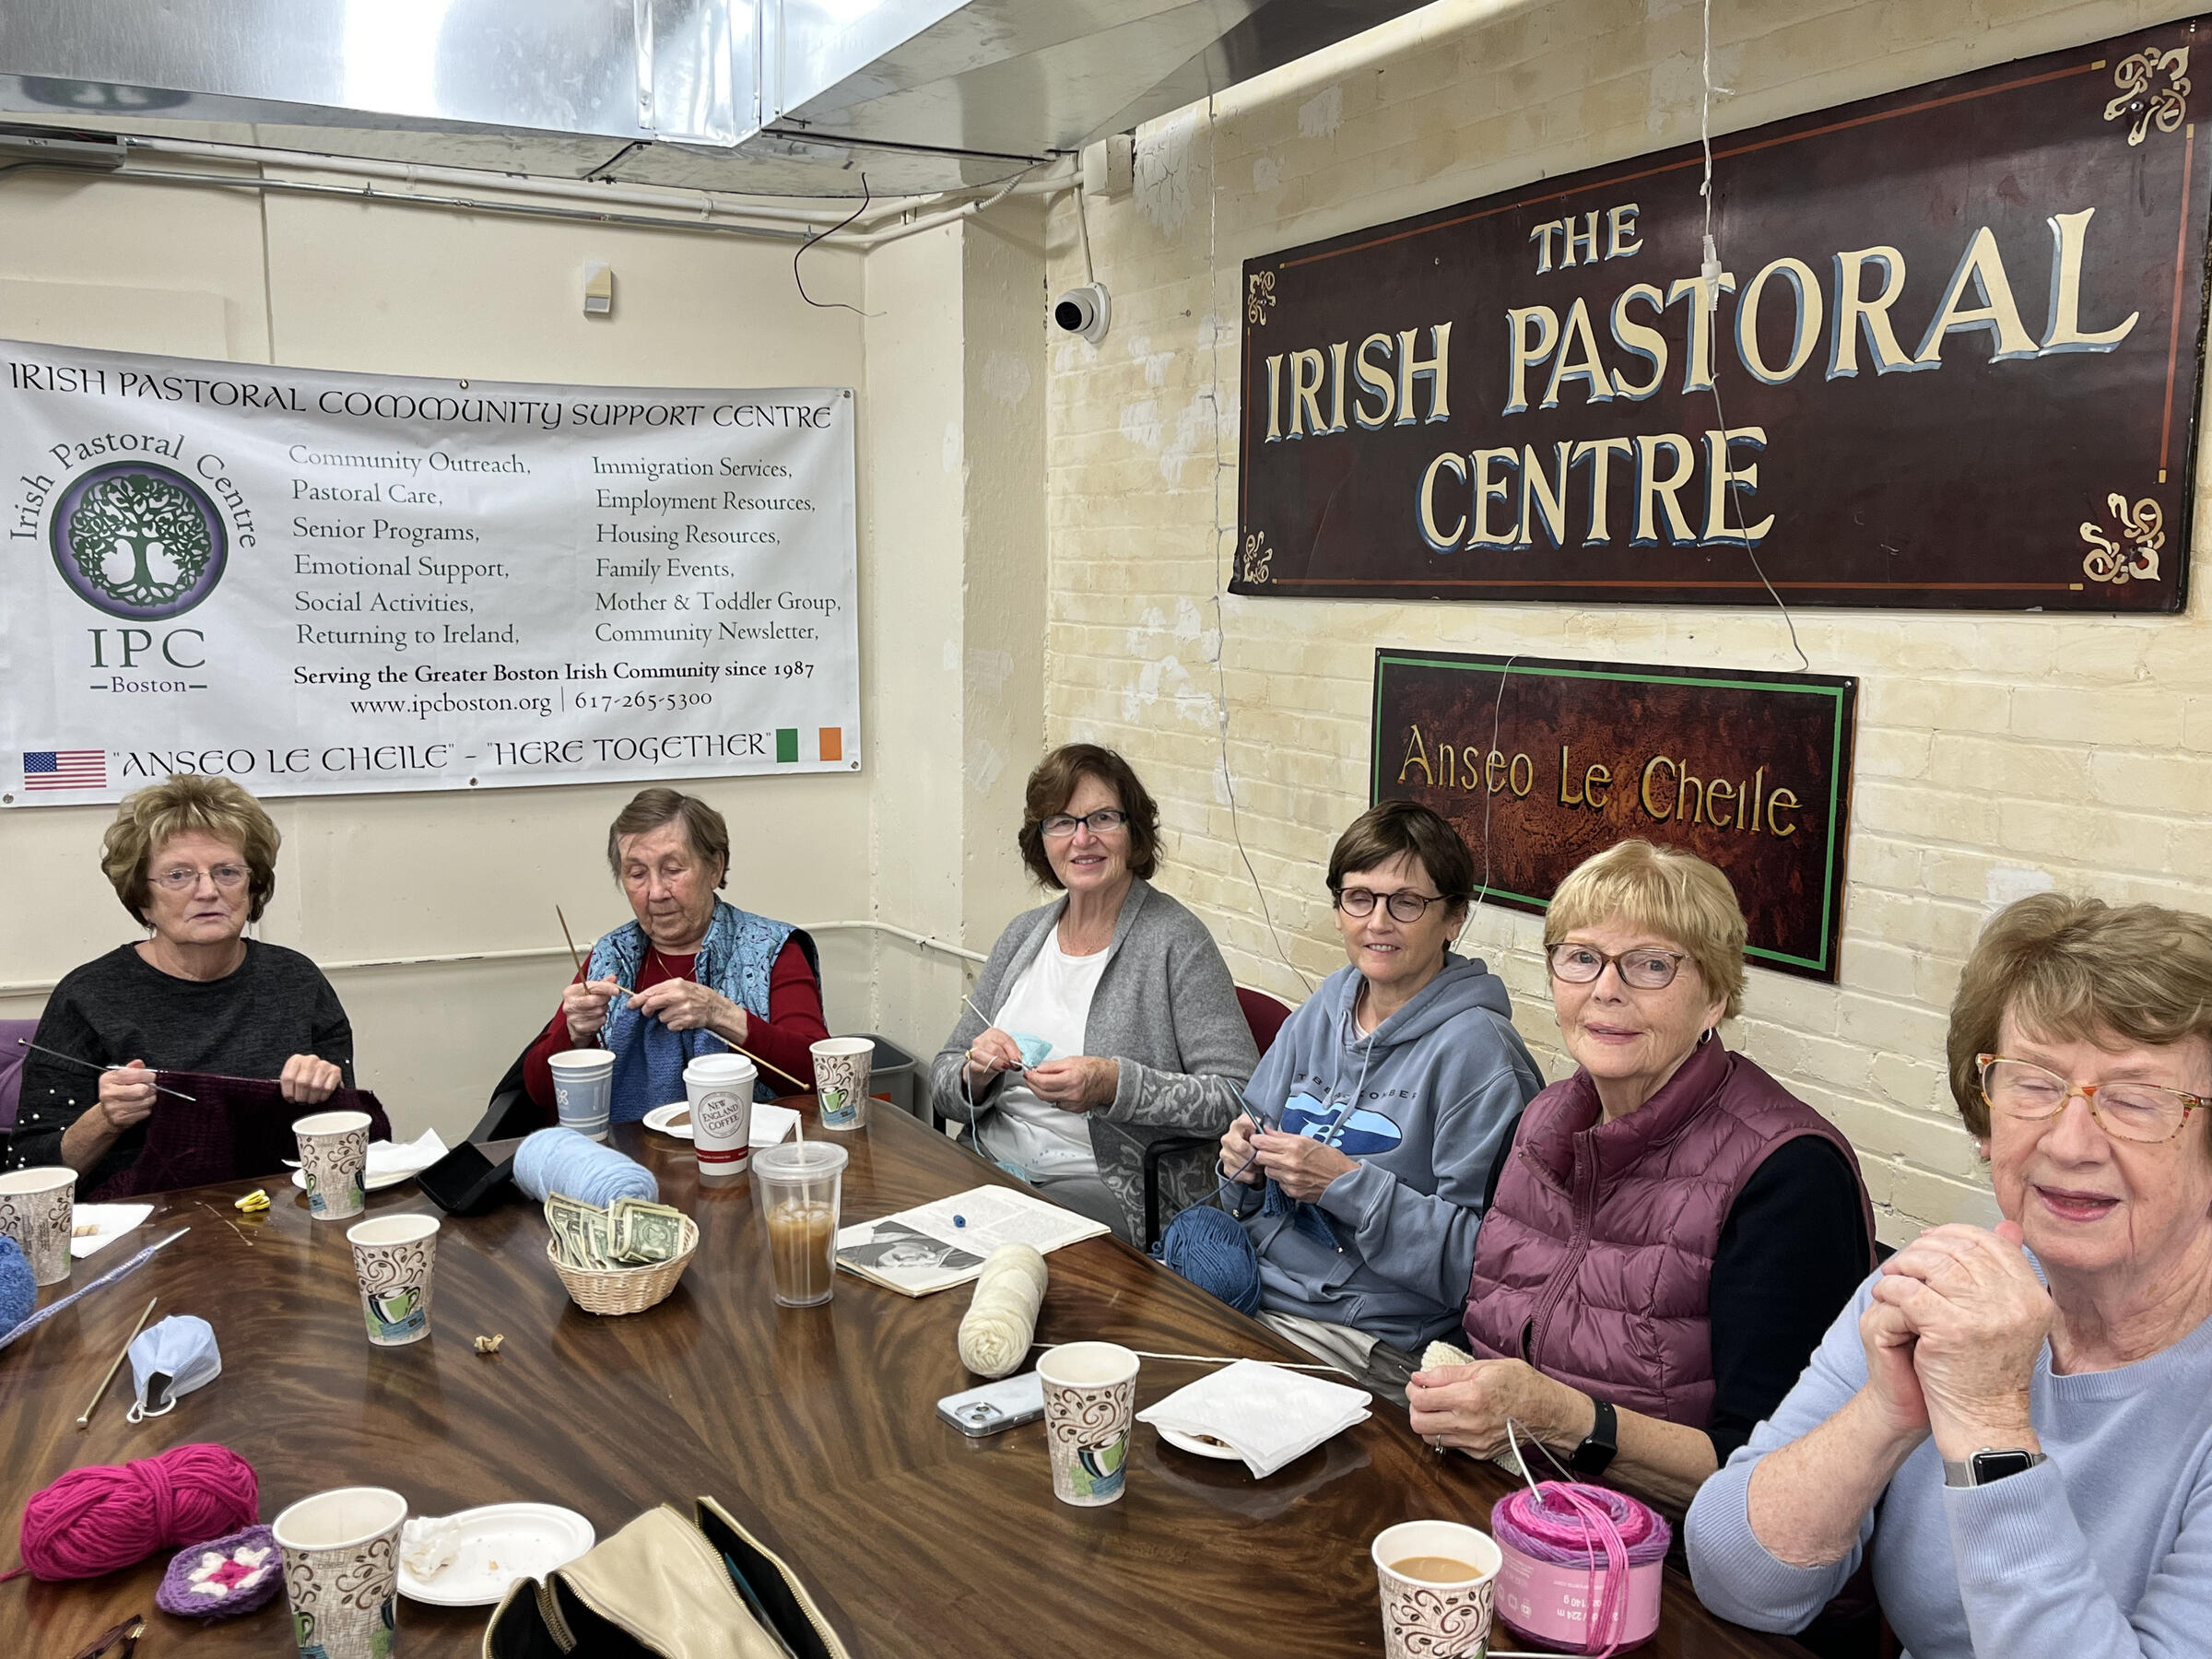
138	541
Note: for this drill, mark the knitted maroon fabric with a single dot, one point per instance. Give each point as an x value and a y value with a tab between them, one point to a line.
231	1129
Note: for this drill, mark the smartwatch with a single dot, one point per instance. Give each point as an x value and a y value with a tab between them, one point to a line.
1988	1466
1596	1450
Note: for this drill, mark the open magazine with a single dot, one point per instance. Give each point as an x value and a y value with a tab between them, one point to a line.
937	1246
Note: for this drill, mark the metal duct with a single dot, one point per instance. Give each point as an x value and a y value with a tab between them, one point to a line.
764	97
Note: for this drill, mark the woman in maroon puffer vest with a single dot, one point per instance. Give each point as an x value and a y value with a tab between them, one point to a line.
1672	1230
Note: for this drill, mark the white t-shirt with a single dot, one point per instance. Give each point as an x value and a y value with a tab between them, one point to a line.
1051	999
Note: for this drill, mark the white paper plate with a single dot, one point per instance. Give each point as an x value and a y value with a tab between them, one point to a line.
770	1124
369	1183
1197	1447
501	1543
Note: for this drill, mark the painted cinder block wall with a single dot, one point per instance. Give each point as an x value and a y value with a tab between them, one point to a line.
1997	755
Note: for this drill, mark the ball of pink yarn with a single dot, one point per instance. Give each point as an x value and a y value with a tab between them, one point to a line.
107	1516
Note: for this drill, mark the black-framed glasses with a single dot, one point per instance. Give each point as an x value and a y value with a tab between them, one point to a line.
1646	968
229	877
2135	1111
1104	821
1404	905
127	1634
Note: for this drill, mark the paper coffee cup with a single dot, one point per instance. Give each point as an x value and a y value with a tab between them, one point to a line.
1089	1408
840	1080
583	1089
720	1087
334	1157
38	1208
1427	1611
392	1260
341	1571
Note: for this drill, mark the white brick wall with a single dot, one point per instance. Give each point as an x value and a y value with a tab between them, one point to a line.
1996	754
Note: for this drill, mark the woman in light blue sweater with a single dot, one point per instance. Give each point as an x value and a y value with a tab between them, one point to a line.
2027	1407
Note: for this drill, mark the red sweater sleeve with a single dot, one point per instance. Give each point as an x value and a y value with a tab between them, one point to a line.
537	1076
794	1020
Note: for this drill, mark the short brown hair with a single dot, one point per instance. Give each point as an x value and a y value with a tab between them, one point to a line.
2078	970
649	808
1053	786
1407	830
187	804
1674	894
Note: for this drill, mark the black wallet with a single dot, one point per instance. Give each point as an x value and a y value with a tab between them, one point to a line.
465	1183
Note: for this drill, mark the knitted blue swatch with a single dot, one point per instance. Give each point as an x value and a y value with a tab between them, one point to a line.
18	1290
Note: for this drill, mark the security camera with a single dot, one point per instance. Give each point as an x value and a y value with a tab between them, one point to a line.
1085	311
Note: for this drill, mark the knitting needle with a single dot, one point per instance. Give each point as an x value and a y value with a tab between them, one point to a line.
741	1049
120	1355
90	1065
578	954
108	1277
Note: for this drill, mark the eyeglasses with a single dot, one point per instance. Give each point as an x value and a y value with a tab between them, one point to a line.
126	1633
1404	905
1105	820
2135	1111
183	878
1646	968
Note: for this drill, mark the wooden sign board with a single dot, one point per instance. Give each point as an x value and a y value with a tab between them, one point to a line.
1947	357
1540	764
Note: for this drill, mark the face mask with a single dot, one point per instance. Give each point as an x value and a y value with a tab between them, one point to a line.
172	1358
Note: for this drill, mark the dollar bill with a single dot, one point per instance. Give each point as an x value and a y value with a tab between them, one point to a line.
569	1219
646	1233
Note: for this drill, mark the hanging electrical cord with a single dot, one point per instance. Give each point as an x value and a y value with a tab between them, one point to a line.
1710	297
1213	401
799	252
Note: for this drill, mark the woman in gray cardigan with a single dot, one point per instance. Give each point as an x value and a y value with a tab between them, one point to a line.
1112	1018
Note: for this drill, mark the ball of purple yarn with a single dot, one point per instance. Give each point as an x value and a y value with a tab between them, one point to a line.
175	1594
1551	1532
19	1289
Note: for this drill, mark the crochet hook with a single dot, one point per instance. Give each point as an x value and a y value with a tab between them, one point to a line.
122	1354
93	1066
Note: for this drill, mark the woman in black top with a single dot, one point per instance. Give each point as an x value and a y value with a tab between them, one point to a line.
195	860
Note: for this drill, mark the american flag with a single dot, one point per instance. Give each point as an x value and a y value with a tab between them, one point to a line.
65	768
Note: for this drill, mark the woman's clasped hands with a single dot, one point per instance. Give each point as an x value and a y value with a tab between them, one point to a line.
1951	1337
1072	1082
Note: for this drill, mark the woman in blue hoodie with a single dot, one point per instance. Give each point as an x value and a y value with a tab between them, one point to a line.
1360	1168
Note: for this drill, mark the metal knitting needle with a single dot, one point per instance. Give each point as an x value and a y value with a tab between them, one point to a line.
120	1355
90	1065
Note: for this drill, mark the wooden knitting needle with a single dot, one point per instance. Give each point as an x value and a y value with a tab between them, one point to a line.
122	1354
92	1066
579	954
740	1048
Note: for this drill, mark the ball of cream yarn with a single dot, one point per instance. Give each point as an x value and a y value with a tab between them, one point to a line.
996	1330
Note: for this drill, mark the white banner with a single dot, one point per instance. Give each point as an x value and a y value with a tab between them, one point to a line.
318	583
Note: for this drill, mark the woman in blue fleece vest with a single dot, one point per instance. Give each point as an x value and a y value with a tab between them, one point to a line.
1379	1111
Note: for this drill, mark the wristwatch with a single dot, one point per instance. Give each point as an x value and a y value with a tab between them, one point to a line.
1597	1448
1988	1466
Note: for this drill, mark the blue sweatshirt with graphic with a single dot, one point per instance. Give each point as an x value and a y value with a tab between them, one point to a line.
1438	1086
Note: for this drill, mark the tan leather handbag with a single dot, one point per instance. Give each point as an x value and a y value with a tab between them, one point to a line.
665	1588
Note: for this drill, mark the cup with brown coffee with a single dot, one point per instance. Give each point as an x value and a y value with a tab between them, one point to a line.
1438	1582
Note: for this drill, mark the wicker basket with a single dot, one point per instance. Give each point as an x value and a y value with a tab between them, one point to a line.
625	1289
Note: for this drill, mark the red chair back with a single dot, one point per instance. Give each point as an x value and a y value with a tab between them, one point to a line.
1264	1013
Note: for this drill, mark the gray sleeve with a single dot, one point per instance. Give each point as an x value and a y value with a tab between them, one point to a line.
2026	1571
333	1033
1426	1242
1210	1036
944	1071
1735	1575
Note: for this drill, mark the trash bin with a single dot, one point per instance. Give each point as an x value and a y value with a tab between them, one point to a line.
894	1074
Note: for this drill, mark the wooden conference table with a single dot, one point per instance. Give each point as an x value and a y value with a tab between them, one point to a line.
815	1428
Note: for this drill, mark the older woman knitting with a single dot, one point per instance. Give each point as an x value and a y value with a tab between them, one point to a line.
2013	1424
1672	1229
691	975
1113	1018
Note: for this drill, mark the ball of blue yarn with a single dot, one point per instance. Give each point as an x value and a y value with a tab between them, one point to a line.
19	1290
561	1160
1212	1251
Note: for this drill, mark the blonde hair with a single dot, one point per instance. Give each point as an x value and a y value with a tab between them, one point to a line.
1671	893
2077	970
187	804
